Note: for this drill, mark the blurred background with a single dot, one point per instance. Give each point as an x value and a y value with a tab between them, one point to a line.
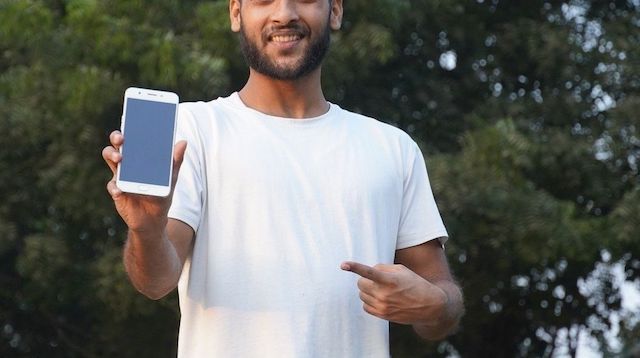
527	112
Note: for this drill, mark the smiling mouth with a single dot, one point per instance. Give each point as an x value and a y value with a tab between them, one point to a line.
286	34
285	38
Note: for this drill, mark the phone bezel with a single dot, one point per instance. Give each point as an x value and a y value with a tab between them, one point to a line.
152	96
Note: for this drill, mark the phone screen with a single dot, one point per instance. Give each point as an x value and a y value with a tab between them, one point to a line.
148	144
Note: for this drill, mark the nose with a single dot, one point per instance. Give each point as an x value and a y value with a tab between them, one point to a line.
285	12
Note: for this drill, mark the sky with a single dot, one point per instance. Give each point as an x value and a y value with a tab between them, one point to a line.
630	305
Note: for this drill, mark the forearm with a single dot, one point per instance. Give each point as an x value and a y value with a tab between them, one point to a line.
152	263
448	319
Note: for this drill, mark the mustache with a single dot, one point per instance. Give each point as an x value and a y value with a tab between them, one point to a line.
292	28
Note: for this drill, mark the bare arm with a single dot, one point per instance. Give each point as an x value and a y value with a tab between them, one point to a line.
154	260
429	262
157	246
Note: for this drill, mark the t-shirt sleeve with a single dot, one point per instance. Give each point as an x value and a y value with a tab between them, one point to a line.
188	194
420	219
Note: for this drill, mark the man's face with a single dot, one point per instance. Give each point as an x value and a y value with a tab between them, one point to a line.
284	39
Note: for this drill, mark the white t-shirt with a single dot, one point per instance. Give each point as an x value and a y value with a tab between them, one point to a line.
277	204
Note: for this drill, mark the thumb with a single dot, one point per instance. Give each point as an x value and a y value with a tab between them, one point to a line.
178	156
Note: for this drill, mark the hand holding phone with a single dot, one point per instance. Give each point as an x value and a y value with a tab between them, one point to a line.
148	125
140	212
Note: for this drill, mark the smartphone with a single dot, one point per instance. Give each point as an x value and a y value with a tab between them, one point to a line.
148	126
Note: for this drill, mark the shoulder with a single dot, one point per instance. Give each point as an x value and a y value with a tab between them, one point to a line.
203	111
378	129
205	118
197	122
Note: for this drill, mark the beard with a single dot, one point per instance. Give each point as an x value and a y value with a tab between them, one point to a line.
310	60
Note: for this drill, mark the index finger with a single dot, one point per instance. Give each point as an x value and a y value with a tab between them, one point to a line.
116	139
365	271
112	157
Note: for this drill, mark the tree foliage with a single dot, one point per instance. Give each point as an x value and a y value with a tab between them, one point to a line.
527	113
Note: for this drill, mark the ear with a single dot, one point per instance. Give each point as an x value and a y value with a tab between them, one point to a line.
336	14
234	15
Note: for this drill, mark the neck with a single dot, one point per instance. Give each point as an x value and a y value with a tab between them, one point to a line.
300	98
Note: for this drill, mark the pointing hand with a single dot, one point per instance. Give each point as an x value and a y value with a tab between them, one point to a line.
397	294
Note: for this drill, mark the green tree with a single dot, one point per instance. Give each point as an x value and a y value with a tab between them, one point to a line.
527	113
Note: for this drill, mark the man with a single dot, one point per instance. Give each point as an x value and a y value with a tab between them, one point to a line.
279	190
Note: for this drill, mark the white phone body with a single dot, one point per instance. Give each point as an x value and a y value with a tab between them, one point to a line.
148	126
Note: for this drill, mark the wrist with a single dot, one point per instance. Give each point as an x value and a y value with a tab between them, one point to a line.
443	316
149	225
146	234
435	306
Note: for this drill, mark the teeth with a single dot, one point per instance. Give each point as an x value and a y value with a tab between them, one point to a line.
285	38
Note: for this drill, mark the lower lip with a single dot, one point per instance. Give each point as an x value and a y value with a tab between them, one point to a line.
287	45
